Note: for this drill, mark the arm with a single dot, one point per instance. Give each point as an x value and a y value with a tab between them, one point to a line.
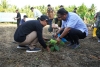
62	27
20	22
55	35
59	30
65	32
40	38
70	24
53	23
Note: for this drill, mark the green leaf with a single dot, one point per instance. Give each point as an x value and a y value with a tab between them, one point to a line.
62	43
53	41
52	48
56	48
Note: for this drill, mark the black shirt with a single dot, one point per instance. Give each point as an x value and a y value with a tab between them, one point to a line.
26	28
18	16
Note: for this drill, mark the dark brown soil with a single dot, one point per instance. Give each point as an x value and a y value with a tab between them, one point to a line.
88	55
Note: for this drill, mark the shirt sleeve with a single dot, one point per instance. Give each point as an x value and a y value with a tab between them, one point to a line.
21	22
72	22
40	37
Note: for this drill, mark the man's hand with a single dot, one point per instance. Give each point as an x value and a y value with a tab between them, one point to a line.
48	49
58	39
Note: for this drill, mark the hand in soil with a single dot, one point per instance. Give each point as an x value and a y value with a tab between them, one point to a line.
48	49
58	40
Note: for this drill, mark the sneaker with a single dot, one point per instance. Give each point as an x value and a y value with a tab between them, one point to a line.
70	44
22	47
14	42
99	40
75	46
33	50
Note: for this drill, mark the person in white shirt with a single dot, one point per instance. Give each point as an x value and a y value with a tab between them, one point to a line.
36	12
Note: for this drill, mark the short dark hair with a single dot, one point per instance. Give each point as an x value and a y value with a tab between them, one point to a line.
61	6
16	9
75	8
44	17
31	8
62	11
49	5
25	16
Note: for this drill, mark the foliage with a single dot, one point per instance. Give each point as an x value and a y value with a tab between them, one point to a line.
53	45
83	11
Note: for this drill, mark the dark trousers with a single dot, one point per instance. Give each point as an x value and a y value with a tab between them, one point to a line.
18	22
74	35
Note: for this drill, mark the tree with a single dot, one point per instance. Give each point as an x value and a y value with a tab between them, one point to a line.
82	10
4	5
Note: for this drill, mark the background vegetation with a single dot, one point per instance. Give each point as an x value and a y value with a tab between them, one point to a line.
83	11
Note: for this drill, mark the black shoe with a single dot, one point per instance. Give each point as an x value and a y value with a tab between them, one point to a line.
22	47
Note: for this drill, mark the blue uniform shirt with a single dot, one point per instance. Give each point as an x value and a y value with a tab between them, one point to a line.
22	21
74	21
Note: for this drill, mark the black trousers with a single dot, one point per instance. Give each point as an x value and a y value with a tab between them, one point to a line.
74	35
18	22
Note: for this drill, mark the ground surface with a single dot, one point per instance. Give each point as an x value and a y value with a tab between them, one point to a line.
88	55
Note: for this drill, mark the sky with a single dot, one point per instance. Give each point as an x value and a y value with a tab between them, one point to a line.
22	3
